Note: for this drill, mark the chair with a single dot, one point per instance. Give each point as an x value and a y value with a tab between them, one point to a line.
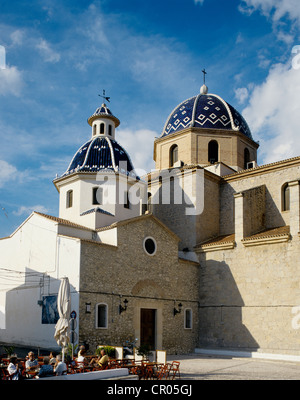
161	356
135	369
112	364
79	367
163	372
147	371
174	369
6	375
119	352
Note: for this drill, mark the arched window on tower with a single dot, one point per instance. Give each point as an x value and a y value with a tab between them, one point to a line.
285	195
69	198
102	126
173	155
246	157
213	151
110	130
94	130
97	195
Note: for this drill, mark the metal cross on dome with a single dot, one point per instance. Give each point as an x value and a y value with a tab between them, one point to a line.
204	73
104	97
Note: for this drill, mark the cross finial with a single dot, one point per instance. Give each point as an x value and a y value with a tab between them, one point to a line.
204	73
104	97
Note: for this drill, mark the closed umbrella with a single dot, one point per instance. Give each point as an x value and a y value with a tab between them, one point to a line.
61	334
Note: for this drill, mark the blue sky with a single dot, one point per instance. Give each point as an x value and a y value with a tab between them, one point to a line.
148	56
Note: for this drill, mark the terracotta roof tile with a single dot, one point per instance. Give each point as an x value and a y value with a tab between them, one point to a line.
273	232
218	240
63	221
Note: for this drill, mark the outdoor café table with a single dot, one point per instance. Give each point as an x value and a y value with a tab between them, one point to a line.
145	370
31	373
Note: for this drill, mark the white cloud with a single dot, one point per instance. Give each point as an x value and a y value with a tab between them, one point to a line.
285	37
273	113
7	172
277	9
139	145
46	51
23	210
17	37
241	94
11	81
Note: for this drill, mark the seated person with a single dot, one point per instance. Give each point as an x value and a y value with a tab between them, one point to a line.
81	359
101	361
104	359
52	357
13	369
46	369
31	363
60	367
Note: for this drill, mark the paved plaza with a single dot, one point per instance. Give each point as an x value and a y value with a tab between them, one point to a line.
199	367
205	367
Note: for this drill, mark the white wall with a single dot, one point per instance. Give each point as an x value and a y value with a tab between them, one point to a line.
114	186
32	263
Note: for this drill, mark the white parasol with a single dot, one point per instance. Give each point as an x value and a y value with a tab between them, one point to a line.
61	334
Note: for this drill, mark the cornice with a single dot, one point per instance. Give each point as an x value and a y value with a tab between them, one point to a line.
263	169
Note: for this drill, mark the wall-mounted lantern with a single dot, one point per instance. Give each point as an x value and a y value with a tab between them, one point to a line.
179	309
123	308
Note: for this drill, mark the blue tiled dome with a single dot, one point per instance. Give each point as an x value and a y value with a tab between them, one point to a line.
207	111
100	154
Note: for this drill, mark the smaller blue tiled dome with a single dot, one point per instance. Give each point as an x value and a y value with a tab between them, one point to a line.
207	111
101	154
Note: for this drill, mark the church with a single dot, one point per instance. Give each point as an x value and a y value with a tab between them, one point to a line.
200	255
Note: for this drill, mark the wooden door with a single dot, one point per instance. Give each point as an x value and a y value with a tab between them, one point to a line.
148	327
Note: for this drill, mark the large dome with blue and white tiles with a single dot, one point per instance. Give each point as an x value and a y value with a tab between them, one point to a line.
101	154
207	111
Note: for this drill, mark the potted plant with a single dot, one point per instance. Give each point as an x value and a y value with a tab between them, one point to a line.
9	350
144	351
109	350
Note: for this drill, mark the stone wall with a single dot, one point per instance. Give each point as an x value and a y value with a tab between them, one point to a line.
158	282
273	179
204	224
247	297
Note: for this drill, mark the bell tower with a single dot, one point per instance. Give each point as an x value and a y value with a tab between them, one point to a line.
100	186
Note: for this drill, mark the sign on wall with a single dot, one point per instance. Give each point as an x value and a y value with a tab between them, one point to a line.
49	310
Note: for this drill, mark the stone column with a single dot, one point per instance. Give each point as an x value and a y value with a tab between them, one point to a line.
294	208
239	217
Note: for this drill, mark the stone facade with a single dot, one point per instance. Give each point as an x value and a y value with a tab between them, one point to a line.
109	274
250	289
193	147
247	296
246	241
